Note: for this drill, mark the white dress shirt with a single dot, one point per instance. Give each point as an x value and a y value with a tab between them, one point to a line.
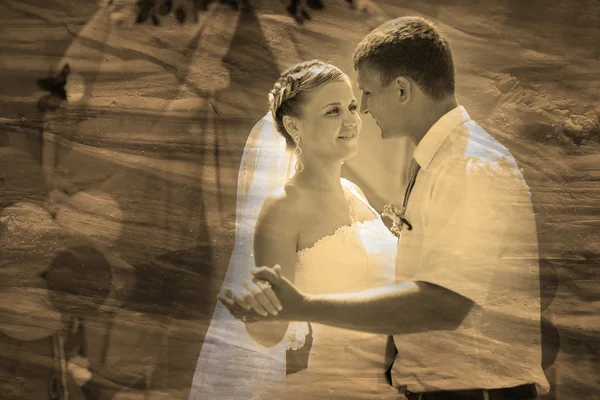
473	233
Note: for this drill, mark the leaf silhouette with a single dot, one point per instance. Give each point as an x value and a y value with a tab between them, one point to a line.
142	16
214	108
81	273
201	5
56	85
318	4
48	102
181	15
165	8
145	7
232	3
45	83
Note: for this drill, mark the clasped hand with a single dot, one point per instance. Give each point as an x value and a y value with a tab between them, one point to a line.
263	297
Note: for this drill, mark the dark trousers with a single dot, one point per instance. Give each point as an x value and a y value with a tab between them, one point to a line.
523	392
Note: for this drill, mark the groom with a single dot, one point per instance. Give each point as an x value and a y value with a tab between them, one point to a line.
465	311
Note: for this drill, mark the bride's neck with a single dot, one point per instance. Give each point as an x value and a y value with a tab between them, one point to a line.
320	176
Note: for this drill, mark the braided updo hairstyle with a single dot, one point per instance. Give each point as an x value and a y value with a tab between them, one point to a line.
289	92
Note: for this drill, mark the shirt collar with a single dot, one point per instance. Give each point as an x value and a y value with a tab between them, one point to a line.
437	134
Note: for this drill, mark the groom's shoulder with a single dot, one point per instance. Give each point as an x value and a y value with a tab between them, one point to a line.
472	151
473	143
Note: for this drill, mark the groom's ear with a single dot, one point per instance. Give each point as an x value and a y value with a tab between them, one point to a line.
403	89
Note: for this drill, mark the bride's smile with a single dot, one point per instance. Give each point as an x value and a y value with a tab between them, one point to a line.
329	125
348	136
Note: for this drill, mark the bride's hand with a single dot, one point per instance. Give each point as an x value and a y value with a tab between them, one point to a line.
256	295
289	296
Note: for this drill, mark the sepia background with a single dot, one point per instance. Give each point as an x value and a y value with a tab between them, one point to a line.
140	162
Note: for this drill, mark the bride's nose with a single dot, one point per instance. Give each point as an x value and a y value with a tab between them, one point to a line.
351	121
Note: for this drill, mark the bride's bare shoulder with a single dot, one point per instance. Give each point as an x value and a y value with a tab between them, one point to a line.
283	206
354	186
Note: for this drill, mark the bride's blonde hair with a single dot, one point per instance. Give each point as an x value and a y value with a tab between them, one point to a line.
288	94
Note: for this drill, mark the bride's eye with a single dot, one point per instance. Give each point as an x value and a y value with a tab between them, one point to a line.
353	107
332	111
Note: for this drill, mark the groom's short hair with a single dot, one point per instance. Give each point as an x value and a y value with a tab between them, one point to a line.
413	47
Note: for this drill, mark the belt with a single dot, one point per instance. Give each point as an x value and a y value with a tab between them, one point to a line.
522	392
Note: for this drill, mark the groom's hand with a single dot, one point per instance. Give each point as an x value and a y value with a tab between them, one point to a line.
242	313
292	299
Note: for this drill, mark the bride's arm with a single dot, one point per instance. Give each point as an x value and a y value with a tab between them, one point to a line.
275	242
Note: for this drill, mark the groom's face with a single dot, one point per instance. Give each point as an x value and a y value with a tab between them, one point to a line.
380	101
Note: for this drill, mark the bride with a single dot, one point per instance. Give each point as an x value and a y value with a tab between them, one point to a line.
295	210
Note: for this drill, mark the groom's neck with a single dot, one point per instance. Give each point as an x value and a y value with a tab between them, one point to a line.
432	111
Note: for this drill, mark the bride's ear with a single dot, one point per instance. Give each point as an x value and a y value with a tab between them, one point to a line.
290	125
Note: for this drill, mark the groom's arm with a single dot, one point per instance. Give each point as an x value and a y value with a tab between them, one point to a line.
479	248
396	309
399	309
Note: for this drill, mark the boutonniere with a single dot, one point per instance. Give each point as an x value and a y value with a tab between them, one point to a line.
398	218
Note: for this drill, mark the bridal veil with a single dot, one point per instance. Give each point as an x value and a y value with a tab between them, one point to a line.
231	364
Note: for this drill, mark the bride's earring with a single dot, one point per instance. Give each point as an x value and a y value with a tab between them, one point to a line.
299	167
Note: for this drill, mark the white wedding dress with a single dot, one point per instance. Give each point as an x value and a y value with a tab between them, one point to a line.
356	257
342	364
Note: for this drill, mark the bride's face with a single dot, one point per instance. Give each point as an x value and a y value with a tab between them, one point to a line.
330	123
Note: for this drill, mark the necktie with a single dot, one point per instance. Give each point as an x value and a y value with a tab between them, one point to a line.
411	177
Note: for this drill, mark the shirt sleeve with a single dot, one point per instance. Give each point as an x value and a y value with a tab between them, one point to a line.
479	230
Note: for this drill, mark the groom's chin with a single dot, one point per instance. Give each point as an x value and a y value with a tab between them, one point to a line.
383	133
389	135
386	135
